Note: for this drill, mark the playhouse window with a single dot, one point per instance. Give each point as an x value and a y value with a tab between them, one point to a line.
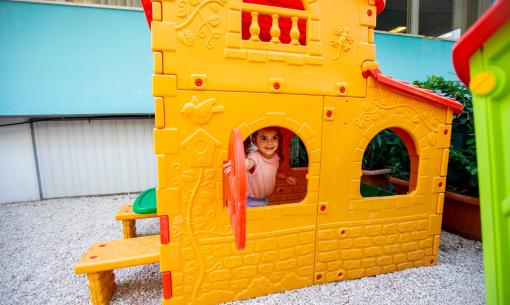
289	144
389	164
287	25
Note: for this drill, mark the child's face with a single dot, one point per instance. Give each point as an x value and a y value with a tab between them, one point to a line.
267	142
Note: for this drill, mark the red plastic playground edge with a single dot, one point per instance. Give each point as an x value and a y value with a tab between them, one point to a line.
474	38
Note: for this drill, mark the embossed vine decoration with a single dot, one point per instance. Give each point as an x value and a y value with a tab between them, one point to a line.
384	103
209	21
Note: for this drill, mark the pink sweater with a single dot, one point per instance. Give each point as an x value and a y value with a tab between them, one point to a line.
261	182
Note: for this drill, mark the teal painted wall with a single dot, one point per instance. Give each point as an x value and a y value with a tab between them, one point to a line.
77	60
73	60
412	58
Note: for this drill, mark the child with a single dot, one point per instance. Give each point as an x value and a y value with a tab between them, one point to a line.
262	167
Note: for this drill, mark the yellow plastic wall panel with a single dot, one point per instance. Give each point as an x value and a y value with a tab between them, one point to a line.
167	140
201	122
168	201
356	122
440	203
280	238
272	262
157	60
170	250
356	249
163	36
159	109
444	162
156	11
164	85
205	38
449	116
358	236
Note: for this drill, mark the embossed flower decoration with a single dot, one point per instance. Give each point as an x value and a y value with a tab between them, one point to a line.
343	41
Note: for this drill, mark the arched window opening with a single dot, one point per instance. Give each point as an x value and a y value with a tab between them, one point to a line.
390	164
290	185
287	25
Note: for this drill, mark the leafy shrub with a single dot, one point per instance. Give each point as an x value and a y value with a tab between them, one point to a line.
386	150
298	155
462	168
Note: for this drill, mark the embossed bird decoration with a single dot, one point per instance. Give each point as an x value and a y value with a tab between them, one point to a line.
201	112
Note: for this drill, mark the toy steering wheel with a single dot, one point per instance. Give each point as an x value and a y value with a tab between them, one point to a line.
235	188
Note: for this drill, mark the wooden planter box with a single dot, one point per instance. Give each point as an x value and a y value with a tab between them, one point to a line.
461	214
376	178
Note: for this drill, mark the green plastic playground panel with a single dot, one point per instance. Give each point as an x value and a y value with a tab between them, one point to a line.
492	127
145	203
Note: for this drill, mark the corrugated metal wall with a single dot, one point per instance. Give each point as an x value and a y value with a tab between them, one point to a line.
18	173
106	156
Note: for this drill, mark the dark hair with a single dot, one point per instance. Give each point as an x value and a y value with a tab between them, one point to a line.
251	139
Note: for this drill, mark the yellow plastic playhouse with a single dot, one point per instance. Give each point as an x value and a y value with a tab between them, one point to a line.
308	67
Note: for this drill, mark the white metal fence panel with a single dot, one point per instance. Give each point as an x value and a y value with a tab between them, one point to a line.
18	176
93	157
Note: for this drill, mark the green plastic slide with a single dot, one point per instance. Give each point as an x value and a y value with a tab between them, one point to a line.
145	203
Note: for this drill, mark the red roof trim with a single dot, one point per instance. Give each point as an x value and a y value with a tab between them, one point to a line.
147	8
414	90
475	37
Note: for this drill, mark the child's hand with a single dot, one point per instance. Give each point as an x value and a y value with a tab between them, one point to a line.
227	167
291	180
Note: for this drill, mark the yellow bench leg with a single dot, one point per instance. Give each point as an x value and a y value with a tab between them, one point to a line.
129	228
101	285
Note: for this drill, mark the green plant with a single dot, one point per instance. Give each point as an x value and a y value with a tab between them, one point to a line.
386	150
462	168
298	155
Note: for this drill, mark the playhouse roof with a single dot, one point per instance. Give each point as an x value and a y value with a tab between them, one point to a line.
475	37
407	88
